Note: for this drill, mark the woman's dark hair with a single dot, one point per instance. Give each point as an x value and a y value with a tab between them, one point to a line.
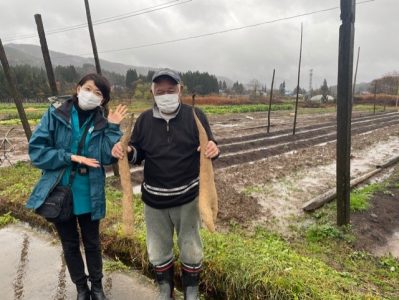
101	82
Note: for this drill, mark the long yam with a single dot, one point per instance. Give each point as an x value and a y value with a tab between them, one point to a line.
125	177
208	200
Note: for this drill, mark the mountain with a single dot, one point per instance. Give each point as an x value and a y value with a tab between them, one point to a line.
19	54
32	55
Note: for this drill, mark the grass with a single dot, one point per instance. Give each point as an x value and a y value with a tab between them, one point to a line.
6	219
334	245
238	264
246	108
360	198
114	265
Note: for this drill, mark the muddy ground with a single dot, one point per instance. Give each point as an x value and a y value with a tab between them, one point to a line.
266	178
377	229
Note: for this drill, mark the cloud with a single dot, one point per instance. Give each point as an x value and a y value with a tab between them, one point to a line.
241	55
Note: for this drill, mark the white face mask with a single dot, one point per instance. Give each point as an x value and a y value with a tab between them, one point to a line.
167	103
87	100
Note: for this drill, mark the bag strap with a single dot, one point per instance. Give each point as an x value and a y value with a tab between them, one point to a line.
80	147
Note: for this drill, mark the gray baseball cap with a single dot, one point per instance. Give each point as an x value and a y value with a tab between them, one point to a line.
167	72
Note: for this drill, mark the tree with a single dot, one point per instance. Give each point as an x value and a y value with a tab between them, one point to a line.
324	89
131	77
200	83
281	89
150	74
388	84
238	88
224	85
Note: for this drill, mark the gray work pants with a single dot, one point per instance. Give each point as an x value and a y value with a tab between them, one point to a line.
161	224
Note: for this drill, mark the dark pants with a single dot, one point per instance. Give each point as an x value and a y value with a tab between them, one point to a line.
69	235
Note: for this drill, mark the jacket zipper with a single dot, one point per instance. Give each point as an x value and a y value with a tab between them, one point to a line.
167	131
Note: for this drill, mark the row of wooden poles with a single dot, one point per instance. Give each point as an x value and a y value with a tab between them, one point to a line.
49	68
344	95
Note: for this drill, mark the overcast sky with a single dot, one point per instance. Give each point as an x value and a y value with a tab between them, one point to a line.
240	55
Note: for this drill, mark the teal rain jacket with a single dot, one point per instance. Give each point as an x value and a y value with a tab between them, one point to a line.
50	150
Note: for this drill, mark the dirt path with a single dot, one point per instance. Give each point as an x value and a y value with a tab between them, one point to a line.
32	268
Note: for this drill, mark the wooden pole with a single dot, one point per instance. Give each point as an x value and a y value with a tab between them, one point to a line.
354	81
344	109
97	63
299	77
92	37
46	55
13	92
375	96
397	98
270	102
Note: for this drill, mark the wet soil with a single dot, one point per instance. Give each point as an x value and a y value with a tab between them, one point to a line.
377	229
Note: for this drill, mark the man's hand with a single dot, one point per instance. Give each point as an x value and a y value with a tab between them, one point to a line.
117	151
118	115
211	150
82	160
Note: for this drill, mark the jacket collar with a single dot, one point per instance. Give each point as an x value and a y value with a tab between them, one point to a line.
64	110
156	113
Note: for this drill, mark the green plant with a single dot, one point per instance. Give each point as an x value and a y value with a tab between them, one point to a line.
360	197
114	265
316	232
7	219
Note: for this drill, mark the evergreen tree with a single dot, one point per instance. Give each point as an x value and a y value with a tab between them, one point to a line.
282	88
131	77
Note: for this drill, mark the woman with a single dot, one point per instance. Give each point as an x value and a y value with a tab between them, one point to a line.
53	149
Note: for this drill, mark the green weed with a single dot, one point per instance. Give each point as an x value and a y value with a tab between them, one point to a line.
7	219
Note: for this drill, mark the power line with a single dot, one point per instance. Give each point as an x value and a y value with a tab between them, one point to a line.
103	20
221	31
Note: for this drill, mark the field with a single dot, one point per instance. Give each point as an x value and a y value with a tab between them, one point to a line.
266	246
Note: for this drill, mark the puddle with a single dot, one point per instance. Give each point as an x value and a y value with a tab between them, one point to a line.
391	247
32	267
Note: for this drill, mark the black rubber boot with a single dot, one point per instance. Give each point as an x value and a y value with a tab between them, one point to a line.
83	291
164	275
190	280
97	292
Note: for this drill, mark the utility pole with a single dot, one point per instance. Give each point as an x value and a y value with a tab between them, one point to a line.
92	38
46	55
299	77
310	83
375	96
344	109
270	102
14	93
397	98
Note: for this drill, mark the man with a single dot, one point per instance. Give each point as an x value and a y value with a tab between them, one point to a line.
166	137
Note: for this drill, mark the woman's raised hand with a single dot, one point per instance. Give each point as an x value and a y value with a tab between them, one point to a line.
118	114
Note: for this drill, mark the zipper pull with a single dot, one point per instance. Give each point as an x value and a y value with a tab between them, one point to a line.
167	126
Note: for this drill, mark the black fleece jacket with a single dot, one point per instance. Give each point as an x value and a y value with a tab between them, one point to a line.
169	149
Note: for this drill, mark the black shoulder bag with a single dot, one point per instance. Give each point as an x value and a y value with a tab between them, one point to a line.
58	206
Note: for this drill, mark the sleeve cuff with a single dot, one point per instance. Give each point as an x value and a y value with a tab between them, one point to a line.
68	158
113	126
